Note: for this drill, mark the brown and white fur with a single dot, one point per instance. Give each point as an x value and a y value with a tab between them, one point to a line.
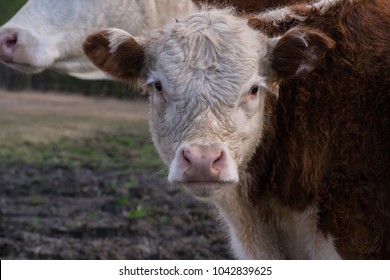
281	120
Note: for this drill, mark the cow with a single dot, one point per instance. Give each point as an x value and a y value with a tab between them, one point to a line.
280	120
48	34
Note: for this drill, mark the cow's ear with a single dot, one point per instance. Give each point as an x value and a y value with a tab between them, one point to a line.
299	51
116	53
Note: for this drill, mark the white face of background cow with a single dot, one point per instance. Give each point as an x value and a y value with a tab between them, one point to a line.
208	76
49	33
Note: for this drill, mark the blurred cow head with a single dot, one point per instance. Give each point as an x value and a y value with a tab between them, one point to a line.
48	34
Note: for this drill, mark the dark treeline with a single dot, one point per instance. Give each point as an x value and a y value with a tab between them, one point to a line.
13	80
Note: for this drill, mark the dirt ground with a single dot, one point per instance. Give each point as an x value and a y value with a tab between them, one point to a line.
56	211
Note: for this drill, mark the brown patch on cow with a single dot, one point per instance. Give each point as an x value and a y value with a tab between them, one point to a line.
266	26
269	27
97	48
328	135
304	10
125	63
299	50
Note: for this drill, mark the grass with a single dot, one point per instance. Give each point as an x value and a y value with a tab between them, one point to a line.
46	118
121	200
34	225
36	201
132	183
139	212
42	129
119	150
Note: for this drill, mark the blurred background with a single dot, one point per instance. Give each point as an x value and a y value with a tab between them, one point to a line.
12	80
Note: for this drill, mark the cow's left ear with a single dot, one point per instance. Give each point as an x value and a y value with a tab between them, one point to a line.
116	53
299	51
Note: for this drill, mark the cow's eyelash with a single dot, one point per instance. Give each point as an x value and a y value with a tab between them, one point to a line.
150	81
154	83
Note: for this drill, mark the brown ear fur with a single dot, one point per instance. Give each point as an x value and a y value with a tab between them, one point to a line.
125	63
299	50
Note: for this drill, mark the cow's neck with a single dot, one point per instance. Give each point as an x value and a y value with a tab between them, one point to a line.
271	230
244	227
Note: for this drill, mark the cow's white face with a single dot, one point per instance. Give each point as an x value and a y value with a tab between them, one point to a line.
207	101
208	77
206	130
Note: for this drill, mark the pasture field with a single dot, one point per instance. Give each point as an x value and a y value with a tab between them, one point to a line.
80	179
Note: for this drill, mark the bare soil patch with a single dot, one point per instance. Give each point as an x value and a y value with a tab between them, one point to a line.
54	212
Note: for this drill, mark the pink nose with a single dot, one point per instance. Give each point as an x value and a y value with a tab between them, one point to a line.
202	163
8	42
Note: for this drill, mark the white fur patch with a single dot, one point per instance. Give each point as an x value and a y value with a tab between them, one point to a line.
286	234
116	38
302	239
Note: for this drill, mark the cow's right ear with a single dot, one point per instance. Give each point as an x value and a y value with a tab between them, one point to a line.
299	51
116	53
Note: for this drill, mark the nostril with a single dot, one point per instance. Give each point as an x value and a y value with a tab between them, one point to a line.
218	157
186	159
11	42
219	161
8	43
186	156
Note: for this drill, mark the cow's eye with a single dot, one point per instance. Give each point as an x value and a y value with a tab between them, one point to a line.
252	94
158	86
254	90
